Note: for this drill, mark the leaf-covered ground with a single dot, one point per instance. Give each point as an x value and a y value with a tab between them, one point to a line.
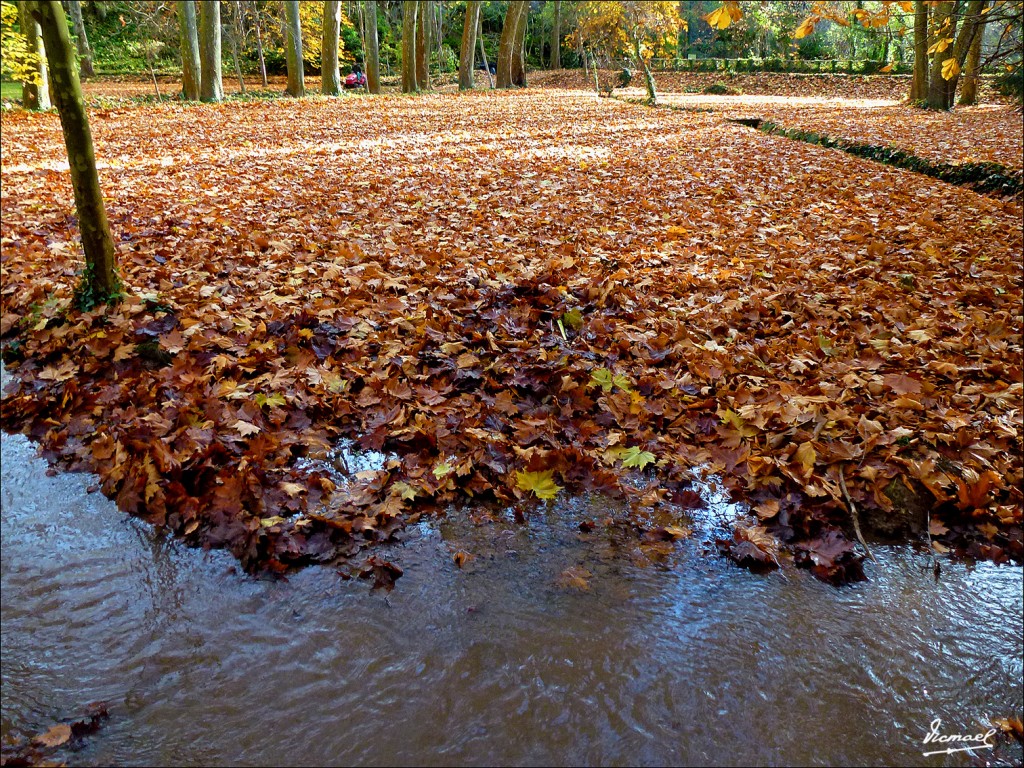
512	293
988	133
824	86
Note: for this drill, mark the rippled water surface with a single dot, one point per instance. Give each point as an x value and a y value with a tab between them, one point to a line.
506	661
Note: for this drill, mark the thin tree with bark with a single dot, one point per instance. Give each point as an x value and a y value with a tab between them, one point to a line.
410	10
972	67
258	29
293	50
35	92
100	283
467	54
519	48
330	74
188	43
483	50
372	48
211	87
556	36
423	45
81	39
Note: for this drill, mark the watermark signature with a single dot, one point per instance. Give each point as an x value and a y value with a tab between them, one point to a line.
952	740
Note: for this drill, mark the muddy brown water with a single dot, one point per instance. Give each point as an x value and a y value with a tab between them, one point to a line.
686	661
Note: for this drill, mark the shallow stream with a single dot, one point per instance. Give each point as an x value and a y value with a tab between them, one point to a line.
550	646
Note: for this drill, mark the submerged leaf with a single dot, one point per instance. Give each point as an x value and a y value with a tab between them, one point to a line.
541	483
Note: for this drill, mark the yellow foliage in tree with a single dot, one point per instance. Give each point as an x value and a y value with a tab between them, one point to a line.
17	62
616	28
311	19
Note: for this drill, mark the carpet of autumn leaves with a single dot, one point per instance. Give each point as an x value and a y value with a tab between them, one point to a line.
511	294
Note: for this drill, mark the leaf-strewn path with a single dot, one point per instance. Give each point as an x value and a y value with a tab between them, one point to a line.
498	284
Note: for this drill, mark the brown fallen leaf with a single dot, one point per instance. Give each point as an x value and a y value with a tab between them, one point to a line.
575	577
57	735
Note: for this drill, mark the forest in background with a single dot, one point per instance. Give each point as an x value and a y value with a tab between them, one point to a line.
142	37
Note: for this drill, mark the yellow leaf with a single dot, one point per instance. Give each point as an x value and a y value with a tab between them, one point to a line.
720	18
887	68
806	455
541	483
404	490
806	28
907	6
940	45
267	522
950	69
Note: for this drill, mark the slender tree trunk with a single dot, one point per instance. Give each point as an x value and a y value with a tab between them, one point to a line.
330	75
919	86
507	52
438	33
483	50
969	91
259	43
211	87
150	62
84	51
970	28
652	96
99	282
938	88
33	95
293	50
361	10
556	37
188	41
423	46
233	34
467	54
519	52
372	48
410	9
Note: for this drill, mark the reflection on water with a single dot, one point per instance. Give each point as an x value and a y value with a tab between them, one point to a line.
690	660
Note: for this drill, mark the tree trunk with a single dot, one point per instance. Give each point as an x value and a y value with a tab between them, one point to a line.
652	96
938	88
969	91
423	46
410	9
507	46
84	51
233	33
259	44
519	52
329	72
556	37
372	48
34	95
971	27
188	42
211	88
467	54
483	50
919	86
293	50
99	281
